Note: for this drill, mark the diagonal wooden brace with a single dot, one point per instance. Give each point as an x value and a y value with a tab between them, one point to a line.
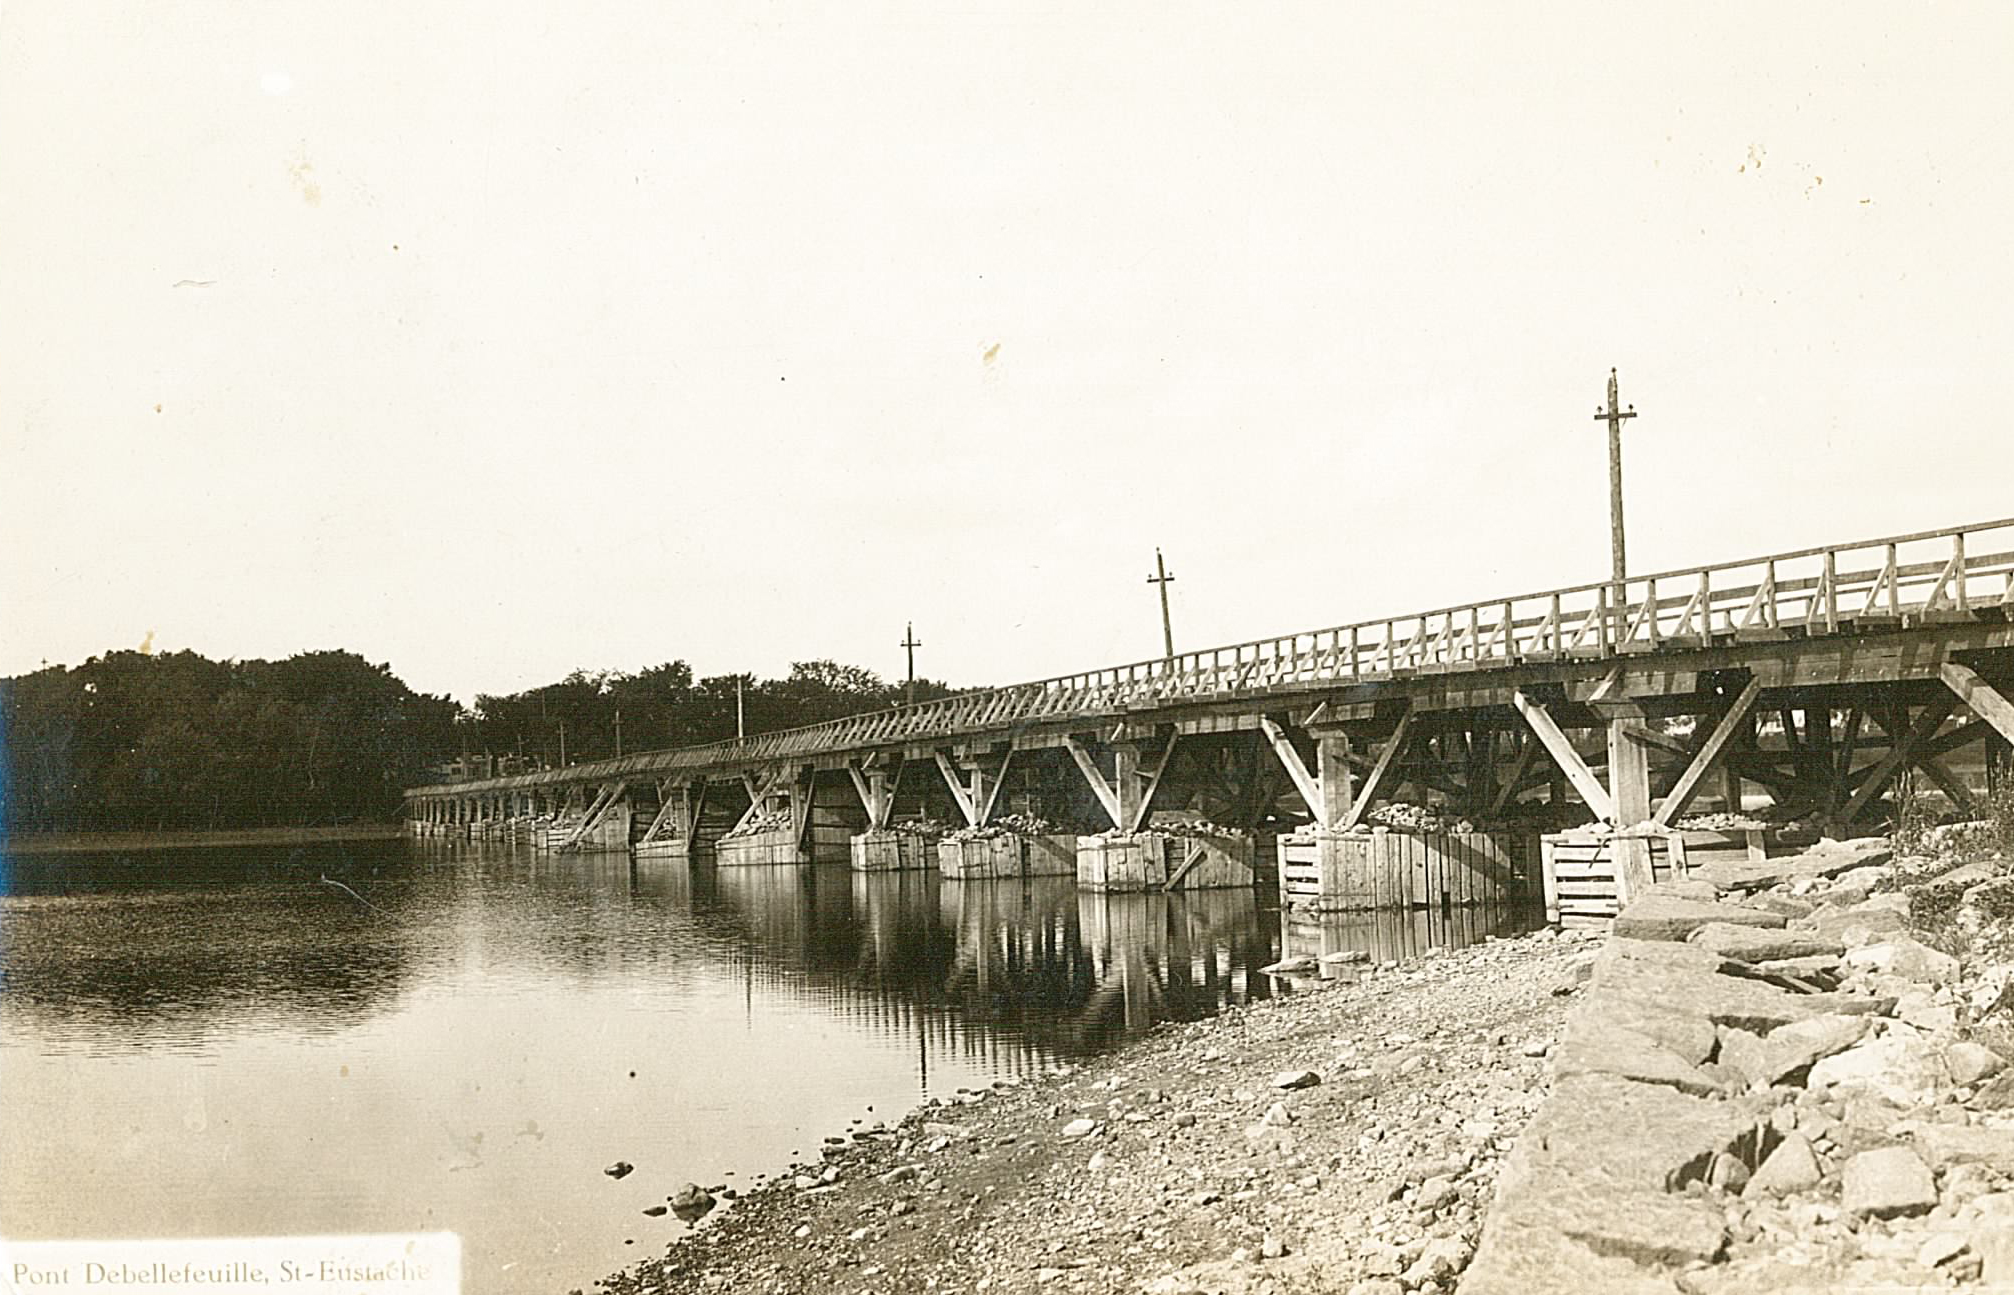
1709	755
1107	794
1297	769
1563	755
1985	700
1378	781
1908	745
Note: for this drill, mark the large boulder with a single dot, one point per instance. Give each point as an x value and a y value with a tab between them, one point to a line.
1791	1168
1861	924
1910	959
1965	1144
1901	1066
1887	1182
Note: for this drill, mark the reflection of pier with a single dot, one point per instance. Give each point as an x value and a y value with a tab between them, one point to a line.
1396	936
1031	967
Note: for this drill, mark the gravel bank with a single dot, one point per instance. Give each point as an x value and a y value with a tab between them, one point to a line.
1344	1136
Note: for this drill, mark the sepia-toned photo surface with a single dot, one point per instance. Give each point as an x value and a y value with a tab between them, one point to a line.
900	648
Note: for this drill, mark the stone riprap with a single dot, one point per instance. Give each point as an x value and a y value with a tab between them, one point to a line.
1775	1087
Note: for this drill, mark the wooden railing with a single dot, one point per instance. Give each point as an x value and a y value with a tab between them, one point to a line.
1906	579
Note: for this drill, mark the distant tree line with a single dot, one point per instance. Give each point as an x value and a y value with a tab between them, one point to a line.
137	741
578	718
176	741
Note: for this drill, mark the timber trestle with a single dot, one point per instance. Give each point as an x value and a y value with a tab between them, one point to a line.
1812	685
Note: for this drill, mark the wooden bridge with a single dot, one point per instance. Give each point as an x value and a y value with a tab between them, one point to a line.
1815	678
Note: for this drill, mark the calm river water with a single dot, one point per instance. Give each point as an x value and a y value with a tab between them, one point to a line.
220	1043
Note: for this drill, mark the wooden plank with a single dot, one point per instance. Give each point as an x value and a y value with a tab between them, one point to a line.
1985	700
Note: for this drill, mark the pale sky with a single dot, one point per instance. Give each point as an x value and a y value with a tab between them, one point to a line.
490	340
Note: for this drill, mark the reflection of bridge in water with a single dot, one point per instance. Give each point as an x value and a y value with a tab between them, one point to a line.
1012	972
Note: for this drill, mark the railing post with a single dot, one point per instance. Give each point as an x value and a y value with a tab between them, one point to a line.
1894	574
1958	569
1510	632
1831	592
1602	611
1775	622
1356	665
1650	610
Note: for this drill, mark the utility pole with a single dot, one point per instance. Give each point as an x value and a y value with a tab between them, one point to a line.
909	640
1615	416
1163	579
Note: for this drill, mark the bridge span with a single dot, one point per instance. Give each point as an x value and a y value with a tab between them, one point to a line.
1811	681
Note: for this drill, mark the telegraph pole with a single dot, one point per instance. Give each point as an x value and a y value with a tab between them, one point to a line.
1163	579
910	641
1615	416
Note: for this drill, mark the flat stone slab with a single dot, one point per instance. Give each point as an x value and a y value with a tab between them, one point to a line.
1561	1230
1724	1000
1518	1257
1826	859
1658	953
1640	1135
1604	1048
1767	1058
1688	1035
1644	1227
1759	944
1668	917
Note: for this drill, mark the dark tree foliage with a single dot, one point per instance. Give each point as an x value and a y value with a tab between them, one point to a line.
665	707
133	741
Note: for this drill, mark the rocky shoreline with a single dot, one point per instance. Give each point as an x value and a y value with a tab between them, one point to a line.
1791	1075
1346	1134
1778	1081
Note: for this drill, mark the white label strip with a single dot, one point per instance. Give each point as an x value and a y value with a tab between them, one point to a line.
425	1263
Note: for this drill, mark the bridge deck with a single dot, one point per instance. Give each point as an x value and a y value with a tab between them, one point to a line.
1884	609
